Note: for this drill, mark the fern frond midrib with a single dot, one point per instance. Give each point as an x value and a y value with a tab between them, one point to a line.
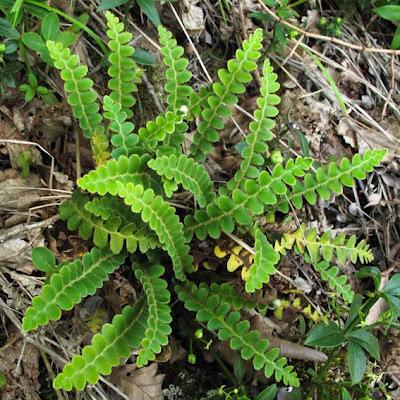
240	338
173	106
223	215
227	92
80	277
134	321
293	194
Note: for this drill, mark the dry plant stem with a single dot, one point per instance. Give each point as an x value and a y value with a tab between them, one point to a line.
51	373
326	38
41	148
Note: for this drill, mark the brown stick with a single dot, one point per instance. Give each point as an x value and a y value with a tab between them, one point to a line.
326	38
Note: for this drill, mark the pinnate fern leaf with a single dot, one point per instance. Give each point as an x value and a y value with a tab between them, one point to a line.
259	129
73	282
116	340
330	179
221	215
81	97
185	171
223	97
327	246
158	323
113	232
162	219
229	326
338	283
123	71
177	73
263	267
105	178
123	139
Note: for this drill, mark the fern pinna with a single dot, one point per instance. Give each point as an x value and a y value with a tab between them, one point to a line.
129	207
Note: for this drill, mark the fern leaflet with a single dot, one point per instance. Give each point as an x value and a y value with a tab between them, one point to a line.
158	323
264	263
162	219
223	98
229	326
66	288
187	172
259	129
82	98
123	70
115	341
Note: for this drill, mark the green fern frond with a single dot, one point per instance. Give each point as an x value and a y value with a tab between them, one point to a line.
259	129
100	147
338	283
123	70
229	326
133	169
221	215
177	74
158	323
263	267
188	173
330	179
123	139
162	219
116	341
223	98
228	294
158	130
70	285
81	97
326	247
113	232
198	102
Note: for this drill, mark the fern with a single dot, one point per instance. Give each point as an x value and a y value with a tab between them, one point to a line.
187	172
82	98
66	288
228	294
177	73
223	98
221	215
326	246
162	219
113	232
264	263
331	178
115	341
338	283
123	70
105	178
259	129
228	324
158	323
123	140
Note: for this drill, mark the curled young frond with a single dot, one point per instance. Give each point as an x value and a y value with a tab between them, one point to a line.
263	267
210	308
177	74
338	283
306	241
330	179
104	179
259	129
188	173
81	97
123	139
162	219
116	341
158	322
70	285
114	232
157	131
123	71
222	214
223	97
